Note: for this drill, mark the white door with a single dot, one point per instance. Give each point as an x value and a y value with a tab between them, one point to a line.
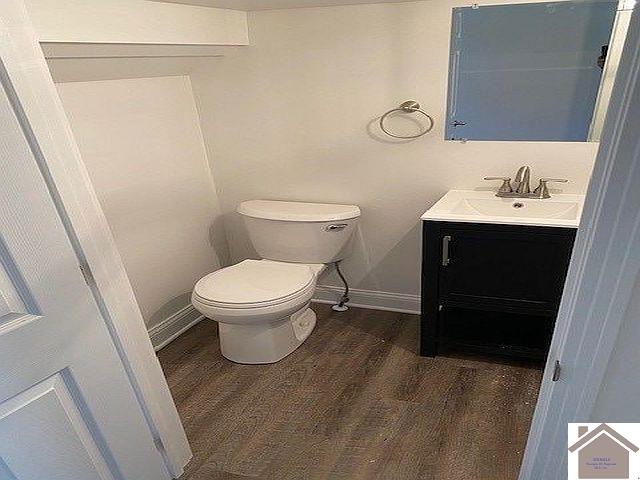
67	408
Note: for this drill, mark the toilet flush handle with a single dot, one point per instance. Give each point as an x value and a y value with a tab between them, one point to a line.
336	226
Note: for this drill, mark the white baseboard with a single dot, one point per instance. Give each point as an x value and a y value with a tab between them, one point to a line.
172	327
394	302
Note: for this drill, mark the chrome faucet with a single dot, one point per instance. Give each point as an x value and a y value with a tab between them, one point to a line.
522	180
523	186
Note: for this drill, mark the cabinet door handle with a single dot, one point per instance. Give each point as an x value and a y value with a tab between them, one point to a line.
445	250
557	370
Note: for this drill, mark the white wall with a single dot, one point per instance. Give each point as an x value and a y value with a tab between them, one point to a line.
295	117
142	144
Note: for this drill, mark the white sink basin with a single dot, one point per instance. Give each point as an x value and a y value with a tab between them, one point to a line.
562	210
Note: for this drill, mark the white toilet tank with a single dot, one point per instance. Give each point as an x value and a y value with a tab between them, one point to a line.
300	232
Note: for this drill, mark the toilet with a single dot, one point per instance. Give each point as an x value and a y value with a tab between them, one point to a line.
262	306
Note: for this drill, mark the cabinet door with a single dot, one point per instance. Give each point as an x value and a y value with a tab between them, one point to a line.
514	269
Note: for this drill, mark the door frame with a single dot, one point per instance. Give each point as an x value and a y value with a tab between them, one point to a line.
604	267
25	76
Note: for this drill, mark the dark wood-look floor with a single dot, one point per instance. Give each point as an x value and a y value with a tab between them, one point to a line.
353	402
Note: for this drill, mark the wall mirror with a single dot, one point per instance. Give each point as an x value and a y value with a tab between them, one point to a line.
534	71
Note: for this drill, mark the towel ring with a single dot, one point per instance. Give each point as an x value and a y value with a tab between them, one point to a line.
410	106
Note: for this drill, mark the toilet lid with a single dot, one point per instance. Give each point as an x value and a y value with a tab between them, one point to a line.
254	282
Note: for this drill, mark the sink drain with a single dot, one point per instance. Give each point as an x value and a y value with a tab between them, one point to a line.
518	205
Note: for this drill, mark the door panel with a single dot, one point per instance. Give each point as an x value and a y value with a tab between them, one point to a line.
15	297
67	407
514	269
74	453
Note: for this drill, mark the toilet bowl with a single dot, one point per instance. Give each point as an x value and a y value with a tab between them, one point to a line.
262	306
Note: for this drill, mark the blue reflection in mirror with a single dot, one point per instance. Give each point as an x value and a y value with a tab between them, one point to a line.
527	71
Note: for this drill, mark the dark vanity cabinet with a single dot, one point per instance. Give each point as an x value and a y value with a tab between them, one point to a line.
491	288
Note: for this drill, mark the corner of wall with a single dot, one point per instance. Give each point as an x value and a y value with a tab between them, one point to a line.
221	243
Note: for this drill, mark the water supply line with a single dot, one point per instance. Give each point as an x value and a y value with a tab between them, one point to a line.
341	305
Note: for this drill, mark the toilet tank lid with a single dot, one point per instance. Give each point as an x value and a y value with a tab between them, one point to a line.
297	211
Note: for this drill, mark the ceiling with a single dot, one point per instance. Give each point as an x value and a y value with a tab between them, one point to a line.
275	4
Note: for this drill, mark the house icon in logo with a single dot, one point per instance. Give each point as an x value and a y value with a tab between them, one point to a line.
602	453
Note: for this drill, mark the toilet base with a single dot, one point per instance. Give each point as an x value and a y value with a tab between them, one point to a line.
268	342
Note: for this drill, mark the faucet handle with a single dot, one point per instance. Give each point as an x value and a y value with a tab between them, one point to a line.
561	180
506	184
542	191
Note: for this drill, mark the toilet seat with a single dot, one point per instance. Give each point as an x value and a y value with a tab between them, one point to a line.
255	284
